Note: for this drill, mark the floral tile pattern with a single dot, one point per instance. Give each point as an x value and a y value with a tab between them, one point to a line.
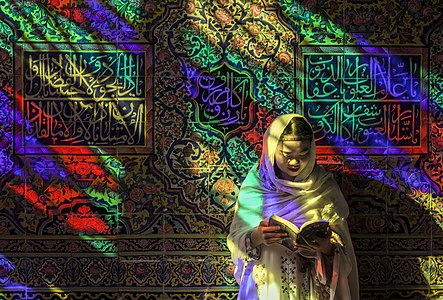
106	221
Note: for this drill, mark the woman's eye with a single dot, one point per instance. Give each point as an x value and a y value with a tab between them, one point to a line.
299	155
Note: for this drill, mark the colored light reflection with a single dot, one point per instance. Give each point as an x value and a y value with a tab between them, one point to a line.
79	175
101	18
6	271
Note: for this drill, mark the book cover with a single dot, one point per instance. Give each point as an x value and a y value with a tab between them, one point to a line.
309	231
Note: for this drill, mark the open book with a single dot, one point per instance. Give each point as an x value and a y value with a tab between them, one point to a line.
310	230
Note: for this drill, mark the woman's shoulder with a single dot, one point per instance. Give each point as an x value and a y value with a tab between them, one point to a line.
258	179
319	172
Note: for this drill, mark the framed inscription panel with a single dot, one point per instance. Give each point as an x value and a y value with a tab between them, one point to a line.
75	96
224	99
365	100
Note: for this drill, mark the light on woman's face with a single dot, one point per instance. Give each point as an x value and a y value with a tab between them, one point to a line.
291	157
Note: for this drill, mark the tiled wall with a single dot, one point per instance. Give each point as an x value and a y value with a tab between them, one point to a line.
127	127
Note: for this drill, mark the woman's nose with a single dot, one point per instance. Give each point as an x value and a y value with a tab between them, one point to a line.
293	161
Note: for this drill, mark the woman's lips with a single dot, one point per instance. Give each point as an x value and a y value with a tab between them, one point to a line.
293	169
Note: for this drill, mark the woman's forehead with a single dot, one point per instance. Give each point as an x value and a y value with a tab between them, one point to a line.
291	145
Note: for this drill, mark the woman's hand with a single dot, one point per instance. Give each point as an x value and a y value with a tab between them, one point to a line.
315	244
265	234
322	245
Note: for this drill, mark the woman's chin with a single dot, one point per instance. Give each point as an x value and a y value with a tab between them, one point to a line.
293	173
290	175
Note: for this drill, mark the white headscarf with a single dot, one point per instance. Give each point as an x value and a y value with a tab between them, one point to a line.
271	139
313	194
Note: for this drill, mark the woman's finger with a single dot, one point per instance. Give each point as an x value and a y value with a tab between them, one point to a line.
277	233
264	223
272	229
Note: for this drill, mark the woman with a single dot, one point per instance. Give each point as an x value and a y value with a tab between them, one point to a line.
288	183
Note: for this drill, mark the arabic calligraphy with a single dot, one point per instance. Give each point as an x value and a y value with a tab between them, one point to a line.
85	122
224	99
357	124
84	98
362	77
84	75
358	100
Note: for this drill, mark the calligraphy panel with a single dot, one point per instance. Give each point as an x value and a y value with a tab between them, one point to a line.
224	99
365	100
85	96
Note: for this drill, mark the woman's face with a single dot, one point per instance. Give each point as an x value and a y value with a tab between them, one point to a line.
291	158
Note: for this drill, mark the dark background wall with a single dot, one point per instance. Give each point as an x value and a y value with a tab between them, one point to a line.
127	127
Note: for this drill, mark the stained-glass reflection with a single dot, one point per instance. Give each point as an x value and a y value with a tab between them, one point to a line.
133	123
